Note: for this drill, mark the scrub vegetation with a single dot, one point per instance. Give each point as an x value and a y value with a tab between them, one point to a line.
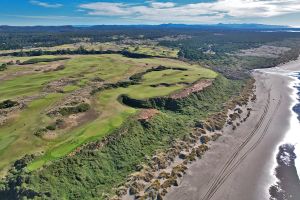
81	109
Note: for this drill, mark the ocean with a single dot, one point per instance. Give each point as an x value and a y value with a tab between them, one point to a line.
287	186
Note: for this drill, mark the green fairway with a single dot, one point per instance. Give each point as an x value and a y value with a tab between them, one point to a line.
17	136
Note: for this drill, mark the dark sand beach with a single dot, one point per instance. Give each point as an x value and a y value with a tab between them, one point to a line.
241	164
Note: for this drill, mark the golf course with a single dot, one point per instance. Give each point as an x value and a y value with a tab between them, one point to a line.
51	91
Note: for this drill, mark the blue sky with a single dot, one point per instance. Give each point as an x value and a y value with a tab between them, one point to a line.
91	12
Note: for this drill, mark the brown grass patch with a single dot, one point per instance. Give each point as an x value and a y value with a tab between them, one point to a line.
197	87
147	114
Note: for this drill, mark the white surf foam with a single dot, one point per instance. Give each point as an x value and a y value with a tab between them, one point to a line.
292	136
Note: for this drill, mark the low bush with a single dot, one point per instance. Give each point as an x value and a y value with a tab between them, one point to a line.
83	107
51	127
8	104
3	67
38	60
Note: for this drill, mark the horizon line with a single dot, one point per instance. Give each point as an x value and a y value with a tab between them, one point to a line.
183	24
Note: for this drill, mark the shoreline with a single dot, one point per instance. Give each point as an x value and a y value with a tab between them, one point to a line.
292	134
249	171
286	166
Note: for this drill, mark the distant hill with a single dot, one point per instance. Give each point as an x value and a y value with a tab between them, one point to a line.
248	27
228	26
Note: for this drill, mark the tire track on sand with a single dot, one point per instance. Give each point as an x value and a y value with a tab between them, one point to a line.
249	150
232	163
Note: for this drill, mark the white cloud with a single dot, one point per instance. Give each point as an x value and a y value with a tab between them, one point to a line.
107	9
52	17
46	5
158	5
204	12
257	8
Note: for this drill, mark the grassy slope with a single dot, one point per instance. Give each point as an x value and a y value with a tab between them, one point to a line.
92	174
17	139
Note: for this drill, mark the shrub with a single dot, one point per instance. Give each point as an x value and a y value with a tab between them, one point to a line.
8	104
38	60
40	132
3	67
83	107
51	127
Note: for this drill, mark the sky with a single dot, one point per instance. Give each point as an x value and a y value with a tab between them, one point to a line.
97	12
